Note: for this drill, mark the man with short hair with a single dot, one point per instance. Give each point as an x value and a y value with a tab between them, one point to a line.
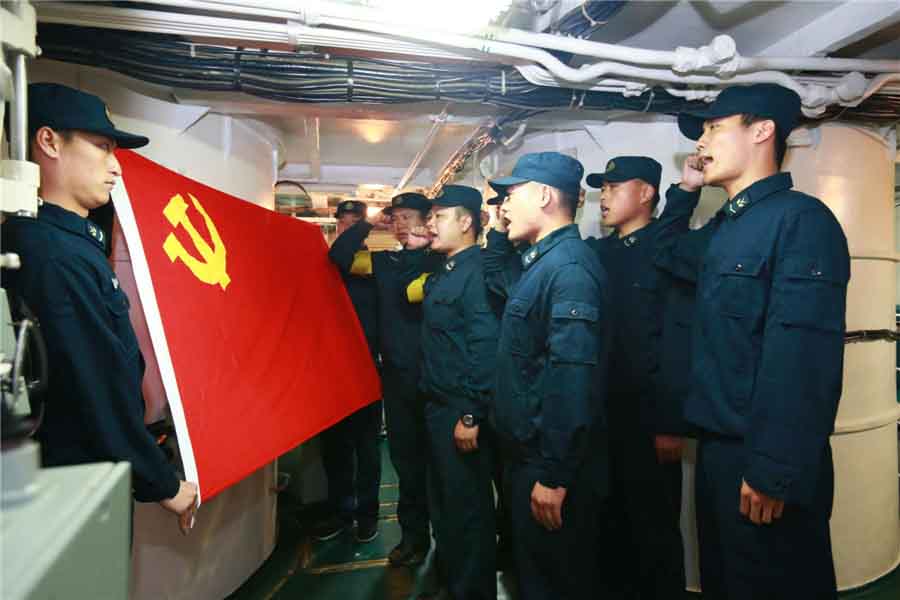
350	452
399	326
645	422
94	409
459	343
767	357
551	367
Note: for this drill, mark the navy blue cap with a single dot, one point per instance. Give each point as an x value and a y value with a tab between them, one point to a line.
767	100
551	168
626	168
63	108
459	195
350	206
411	200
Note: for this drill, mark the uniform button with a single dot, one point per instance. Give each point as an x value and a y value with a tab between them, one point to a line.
574	313
739	267
816	273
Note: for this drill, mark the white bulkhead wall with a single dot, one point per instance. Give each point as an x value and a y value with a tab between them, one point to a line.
230	154
851	169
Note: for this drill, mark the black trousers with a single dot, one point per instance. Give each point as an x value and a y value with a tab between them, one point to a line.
353	464
553	565
404	411
791	558
645	515
462	507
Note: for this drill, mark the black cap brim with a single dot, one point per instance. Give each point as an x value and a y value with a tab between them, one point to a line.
496	200
691	123
125	140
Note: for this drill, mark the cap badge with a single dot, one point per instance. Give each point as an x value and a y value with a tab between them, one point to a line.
610	166
348	205
399	202
440	193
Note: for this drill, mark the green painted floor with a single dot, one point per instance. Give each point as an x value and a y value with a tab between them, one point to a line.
303	569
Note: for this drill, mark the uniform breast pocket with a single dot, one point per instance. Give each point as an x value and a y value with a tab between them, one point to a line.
517	331
812	294
117	305
742	284
441	312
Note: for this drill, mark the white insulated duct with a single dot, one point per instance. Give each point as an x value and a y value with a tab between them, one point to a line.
852	171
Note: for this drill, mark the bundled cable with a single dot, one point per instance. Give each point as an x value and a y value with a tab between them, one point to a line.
315	77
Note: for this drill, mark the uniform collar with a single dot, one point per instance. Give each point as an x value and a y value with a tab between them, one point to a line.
461	258
73	223
635	237
757	192
541	248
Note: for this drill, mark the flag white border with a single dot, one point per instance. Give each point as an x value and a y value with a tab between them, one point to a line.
147	293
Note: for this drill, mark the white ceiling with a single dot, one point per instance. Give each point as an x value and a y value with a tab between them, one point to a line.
375	144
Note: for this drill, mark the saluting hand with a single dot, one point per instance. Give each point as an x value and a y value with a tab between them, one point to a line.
692	173
382	221
499	222
465	438
546	505
758	507
419	237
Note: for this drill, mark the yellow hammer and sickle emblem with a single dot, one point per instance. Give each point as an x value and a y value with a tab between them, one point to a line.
211	269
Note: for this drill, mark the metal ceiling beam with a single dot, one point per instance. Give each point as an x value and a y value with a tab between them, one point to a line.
847	23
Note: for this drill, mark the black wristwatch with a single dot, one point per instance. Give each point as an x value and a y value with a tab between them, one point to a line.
469	421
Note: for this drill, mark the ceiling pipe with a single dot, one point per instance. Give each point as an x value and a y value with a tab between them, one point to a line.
816	97
439	122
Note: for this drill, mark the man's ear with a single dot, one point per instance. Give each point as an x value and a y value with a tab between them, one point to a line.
763	130
647	193
47	142
546	196
466	222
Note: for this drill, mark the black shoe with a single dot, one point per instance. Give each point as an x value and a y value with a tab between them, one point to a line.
409	553
366	531
329	528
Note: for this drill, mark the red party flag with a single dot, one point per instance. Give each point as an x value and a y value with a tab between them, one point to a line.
257	343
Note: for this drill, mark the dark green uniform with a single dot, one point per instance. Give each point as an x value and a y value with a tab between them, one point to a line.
459	342
350	452
399	325
768	354
646	495
94	407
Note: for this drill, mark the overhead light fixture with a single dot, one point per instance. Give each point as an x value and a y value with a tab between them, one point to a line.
461	16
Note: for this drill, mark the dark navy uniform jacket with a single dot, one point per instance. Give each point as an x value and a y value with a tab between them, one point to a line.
646	314
362	294
551	361
399	323
769	333
94	407
459	336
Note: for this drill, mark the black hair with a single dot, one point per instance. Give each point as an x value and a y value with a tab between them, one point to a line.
476	219
568	201
780	140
